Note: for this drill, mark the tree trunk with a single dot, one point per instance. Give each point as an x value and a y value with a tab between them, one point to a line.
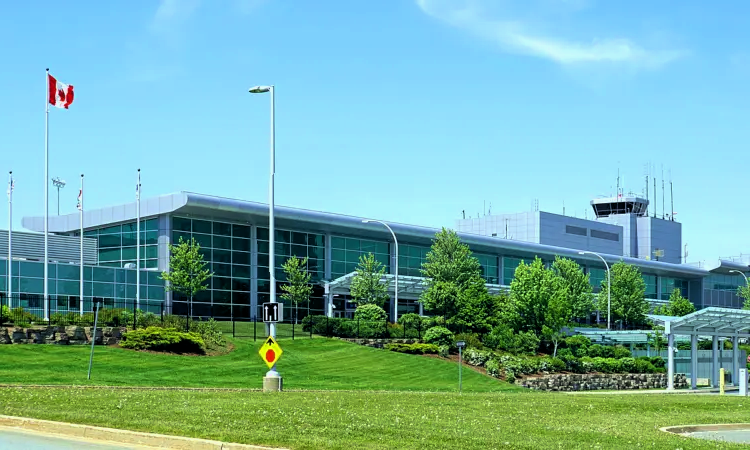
296	312
554	354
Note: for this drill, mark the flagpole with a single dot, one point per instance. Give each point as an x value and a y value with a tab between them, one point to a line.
138	244
46	199
80	208
10	239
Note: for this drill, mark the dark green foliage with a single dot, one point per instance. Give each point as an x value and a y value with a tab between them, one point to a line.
210	333
354	328
503	338
410	319
472	340
612	365
577	287
621	352
439	336
629	304
414	349
678	305
163	340
368	286
370	312
578	345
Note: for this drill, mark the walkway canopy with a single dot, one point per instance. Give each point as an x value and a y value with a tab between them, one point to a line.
711	322
408	287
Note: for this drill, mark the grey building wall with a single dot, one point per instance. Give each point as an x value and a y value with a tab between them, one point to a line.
630	234
659	234
518	227
64	249
581	234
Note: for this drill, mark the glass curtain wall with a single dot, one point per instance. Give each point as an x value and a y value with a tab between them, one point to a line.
117	244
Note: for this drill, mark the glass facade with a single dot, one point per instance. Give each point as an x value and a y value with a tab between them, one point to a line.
489	267
117	244
670	284
410	259
721	290
109	284
345	253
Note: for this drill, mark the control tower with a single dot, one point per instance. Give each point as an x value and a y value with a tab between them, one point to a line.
644	236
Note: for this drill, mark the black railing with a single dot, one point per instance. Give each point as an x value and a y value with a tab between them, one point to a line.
28	311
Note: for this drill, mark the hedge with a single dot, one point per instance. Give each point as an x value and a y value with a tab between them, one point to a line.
163	340
361	329
414	349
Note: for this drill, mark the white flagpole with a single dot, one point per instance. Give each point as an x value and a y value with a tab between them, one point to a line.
80	215
138	243
46	198
10	240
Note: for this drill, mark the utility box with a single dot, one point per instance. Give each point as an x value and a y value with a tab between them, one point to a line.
743	382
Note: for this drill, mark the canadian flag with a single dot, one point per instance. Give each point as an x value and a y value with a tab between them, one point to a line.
60	94
80	198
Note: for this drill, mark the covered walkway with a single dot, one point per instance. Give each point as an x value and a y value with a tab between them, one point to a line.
709	322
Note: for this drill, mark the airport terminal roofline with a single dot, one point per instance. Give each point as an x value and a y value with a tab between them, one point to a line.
217	208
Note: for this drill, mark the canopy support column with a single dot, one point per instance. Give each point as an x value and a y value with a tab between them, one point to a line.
715	362
670	362
694	361
735	360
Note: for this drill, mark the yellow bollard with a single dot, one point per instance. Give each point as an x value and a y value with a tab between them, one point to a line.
721	381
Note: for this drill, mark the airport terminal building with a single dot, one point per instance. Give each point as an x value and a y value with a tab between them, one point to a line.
234	239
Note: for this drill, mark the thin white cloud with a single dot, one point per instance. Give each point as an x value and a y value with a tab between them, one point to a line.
171	14
516	35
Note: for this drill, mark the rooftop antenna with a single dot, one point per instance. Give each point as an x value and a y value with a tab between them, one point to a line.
484	207
463	213
655	198
506	228
662	191
646	192
686	254
489	211
563	207
671	195
617	192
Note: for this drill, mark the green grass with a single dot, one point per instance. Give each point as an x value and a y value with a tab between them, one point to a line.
403	420
305	364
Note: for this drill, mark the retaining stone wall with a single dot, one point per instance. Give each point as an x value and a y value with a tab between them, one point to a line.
602	381
61	335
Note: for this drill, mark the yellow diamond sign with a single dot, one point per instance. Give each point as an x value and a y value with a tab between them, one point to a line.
270	351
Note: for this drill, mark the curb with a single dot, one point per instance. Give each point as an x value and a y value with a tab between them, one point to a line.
126	437
687	429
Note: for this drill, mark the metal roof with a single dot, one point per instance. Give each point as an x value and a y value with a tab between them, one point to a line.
408	287
711	321
218	208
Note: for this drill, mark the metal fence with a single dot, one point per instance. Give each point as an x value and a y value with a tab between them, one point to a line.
26	311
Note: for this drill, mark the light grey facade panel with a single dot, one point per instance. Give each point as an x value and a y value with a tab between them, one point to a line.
237	210
61	248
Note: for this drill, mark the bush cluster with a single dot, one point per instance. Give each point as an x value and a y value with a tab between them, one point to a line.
439	336
163	340
414	349
353	328
370	312
503	338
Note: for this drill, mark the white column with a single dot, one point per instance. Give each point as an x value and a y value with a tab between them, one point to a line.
735	360
46	200
715	363
138	244
10	240
670	362
80	215
694	361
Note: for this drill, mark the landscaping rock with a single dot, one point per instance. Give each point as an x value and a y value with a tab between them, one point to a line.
601	381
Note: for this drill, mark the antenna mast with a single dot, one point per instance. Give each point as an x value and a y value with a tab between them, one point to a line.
662	192
671	195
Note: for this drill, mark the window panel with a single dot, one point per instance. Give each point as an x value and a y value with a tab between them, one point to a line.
262	234
317	252
201	226
104	274
240	271
299	251
241	258
111	240
31	285
338	242
283	236
299	238
263	247
221	283
150	238
222	256
177	235
113	254
352	244
223	229
318	240
222	242
241	244
242	231
129	239
68	272
241	284
104	289
116	229
222	270
204	240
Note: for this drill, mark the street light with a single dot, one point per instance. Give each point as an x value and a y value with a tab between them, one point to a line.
58	183
271	228
395	241
609	286
744	276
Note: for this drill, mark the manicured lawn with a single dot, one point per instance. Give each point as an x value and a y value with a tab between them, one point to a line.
403	420
305	364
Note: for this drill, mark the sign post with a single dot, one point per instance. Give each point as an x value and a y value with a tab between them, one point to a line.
270	351
97	306
722	375
743	382
460	345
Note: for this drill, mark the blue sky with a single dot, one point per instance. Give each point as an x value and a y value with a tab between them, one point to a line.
403	110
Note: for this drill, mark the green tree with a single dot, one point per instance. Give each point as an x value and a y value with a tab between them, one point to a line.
187	273
455	287
540	298
298	288
744	292
559	310
577	286
628	294
678	305
368	286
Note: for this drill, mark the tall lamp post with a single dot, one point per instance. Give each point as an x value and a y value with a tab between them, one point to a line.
272	374
59	184
395	242
609	287
743	276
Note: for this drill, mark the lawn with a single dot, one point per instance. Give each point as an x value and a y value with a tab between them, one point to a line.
305	364
397	420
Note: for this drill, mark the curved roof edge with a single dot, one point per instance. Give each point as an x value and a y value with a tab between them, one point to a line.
724	266
190	202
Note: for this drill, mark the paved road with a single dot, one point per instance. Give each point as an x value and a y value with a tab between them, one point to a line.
739	436
11	439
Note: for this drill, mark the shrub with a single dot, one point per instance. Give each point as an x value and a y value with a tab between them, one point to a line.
414	349
472	340
493	368
410	320
22	318
210	333
578	345
557	365
476	357
510	377
595	350
627	365
444	351
164	340
621	352
435	321
643	366
4	313
371	313
439	336
149	319
503	338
